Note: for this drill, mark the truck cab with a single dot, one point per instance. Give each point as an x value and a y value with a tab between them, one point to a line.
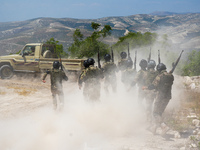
35	58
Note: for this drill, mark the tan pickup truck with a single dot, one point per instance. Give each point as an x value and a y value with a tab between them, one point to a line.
35	58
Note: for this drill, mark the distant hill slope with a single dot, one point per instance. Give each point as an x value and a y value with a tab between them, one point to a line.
183	29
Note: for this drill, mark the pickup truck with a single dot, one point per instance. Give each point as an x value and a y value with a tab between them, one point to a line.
35	58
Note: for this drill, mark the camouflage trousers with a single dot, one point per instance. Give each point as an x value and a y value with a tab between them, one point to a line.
141	97
150	97
110	82
60	101
91	91
159	107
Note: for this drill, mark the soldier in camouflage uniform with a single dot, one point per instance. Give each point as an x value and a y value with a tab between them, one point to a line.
163	85
140	80
150	94
91	77
128	74
109	70
86	65
122	64
56	76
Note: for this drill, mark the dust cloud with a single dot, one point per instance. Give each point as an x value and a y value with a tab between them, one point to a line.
81	125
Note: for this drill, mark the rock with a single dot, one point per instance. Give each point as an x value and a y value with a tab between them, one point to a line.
177	135
196	122
194	132
192	116
192	86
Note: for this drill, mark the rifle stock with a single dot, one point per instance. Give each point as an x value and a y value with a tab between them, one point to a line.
176	63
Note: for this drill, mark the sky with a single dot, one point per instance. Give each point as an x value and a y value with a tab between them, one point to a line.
21	10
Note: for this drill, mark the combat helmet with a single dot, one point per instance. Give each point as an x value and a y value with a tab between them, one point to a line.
123	55
85	64
161	67
107	57
90	61
151	64
143	63
56	64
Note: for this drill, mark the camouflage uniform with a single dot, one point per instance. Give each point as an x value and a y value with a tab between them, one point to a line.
91	77
150	94
140	80
128	76
122	64
109	70
56	76
163	85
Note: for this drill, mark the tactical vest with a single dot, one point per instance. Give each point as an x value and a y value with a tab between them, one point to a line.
166	81
109	68
151	75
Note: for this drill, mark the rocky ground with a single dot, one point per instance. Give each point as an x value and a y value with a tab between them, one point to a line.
28	122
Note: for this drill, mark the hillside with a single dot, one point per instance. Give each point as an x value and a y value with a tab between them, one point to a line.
182	29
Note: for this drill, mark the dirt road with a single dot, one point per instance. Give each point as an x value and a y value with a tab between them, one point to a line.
28	122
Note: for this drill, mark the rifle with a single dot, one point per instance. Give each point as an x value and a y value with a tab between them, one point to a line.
112	56
149	55
61	62
176	63
135	60
128	52
159	57
99	64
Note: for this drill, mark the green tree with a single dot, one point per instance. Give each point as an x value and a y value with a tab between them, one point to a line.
191	67
91	45
135	40
59	47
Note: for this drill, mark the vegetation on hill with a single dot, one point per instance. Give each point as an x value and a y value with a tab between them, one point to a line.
191	67
135	40
91	45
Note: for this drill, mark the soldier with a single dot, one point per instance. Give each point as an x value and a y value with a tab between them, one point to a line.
32	51
122	63
163	85
140	80
56	76
109	70
86	65
91	77
128	74
150	94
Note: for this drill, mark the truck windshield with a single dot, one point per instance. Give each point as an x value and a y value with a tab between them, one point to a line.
29	50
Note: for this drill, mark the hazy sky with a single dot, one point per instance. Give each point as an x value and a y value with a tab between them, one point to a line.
20	10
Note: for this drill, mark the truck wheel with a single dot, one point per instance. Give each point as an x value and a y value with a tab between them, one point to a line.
6	72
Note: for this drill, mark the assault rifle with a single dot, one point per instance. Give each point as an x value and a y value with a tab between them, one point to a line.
128	52
149	55
98	57
61	66
112	56
176	63
135	60
159	57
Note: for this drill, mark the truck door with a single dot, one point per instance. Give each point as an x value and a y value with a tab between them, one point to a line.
27	61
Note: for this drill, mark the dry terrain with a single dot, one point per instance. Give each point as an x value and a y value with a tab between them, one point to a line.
28	122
